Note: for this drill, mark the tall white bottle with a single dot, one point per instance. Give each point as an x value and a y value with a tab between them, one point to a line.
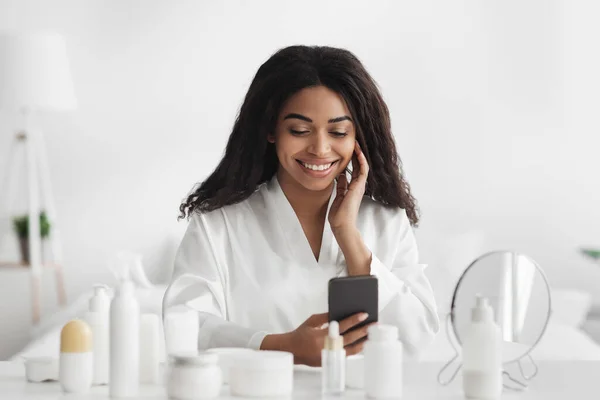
124	342
482	354
98	320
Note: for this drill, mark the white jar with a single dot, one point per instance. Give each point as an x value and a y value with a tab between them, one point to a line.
194	376
227	358
383	363
263	373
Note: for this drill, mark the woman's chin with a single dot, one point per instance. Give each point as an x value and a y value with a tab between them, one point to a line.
316	184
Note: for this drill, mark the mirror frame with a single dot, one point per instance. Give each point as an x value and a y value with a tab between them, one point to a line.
545	281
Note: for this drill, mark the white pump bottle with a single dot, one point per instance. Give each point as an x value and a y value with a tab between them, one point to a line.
482	354
98	319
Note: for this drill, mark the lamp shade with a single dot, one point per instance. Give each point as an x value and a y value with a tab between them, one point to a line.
35	72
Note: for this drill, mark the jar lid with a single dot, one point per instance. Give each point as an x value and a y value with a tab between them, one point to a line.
264	360
382	332
40	360
195	358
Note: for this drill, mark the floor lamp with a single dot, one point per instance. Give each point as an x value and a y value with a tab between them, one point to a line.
35	76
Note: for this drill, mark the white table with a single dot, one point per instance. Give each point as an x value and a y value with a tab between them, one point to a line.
572	380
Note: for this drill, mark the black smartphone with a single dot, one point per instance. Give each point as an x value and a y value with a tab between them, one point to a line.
350	295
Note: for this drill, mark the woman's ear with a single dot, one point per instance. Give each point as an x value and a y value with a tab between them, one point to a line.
271	138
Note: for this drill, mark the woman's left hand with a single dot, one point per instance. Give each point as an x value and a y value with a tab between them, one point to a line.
344	209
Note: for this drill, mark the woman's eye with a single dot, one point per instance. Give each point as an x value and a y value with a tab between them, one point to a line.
339	134
295	132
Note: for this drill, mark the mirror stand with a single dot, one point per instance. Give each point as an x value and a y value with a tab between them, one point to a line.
520	383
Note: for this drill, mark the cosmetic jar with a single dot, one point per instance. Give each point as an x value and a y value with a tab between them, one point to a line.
194	376
40	369
262	373
227	357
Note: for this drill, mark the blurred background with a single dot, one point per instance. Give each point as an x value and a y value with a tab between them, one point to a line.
493	104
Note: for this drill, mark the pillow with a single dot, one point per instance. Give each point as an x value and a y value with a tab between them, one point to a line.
448	256
570	306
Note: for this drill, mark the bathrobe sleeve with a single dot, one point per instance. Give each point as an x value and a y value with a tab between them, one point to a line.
200	282
405	294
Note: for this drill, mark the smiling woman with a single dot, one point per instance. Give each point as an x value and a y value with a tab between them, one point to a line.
310	188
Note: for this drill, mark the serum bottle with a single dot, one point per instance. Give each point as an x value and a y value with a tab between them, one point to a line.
333	362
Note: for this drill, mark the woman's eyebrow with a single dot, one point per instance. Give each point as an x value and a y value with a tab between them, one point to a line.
331	121
298	116
340	119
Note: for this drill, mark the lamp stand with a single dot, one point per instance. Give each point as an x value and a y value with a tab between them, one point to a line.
38	182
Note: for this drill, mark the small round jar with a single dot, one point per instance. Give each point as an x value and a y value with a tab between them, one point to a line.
194	376
261	374
228	357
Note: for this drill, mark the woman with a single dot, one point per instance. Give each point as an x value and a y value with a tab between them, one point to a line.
279	216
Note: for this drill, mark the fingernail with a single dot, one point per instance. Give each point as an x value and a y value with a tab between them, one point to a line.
363	316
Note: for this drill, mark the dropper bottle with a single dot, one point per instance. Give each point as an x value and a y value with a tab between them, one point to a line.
333	362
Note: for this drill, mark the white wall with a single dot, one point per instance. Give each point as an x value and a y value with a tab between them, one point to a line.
493	106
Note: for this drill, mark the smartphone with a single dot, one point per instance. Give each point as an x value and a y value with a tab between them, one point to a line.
351	295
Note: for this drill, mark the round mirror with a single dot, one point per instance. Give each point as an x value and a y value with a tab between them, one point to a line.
517	290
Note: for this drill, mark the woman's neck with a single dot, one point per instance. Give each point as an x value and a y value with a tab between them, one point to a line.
306	203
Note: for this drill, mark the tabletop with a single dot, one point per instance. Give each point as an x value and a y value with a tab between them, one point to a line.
556	380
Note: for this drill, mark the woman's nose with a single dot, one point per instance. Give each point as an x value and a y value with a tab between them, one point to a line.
320	145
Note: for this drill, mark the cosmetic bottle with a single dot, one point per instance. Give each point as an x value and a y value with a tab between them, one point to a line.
481	354
333	362
76	368
383	371
98	319
124	377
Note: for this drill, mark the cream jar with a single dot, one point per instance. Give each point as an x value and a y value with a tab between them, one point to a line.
228	357
262	374
194	376
41	369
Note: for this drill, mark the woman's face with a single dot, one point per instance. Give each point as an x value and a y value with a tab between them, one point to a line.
314	138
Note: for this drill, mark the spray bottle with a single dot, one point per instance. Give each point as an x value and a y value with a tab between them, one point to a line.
124	377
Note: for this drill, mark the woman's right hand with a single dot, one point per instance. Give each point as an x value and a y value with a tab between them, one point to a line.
307	341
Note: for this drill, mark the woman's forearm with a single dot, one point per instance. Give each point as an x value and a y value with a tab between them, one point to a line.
356	253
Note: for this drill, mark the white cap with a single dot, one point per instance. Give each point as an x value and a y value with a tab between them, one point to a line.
194	358
333	340
482	311
263	360
382	332
99	301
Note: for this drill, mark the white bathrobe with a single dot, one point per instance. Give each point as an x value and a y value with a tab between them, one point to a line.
249	270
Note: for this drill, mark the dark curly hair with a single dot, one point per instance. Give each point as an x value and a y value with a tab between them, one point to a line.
250	160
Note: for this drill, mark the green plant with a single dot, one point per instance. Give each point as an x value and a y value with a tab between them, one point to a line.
21	225
594	254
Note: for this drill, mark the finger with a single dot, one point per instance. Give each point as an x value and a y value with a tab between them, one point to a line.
317	320
355	348
356	335
352	320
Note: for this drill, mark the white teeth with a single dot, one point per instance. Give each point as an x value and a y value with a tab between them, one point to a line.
317	167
